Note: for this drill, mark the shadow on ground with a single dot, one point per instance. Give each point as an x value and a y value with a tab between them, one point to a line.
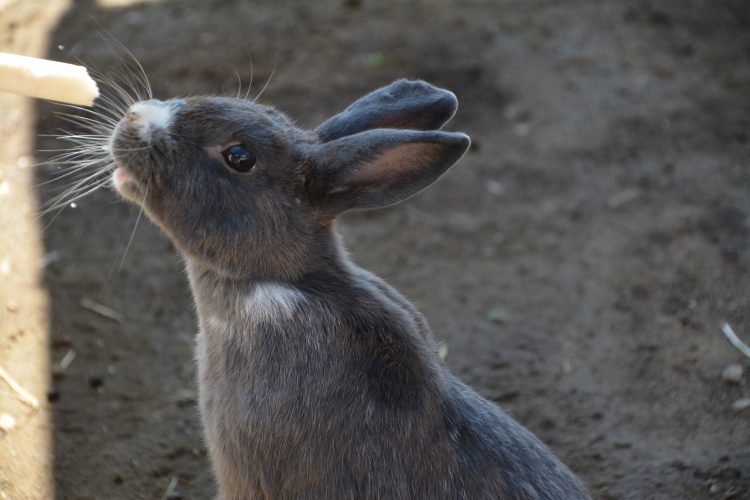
577	263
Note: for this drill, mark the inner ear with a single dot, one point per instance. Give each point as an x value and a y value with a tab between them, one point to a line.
398	165
380	167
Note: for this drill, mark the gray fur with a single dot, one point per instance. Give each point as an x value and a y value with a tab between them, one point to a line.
404	104
317	379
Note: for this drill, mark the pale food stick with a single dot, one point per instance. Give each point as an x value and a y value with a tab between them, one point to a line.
46	79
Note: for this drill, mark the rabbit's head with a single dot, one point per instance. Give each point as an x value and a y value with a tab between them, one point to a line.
238	187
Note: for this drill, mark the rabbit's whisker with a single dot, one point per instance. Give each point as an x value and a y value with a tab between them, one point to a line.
135	227
249	58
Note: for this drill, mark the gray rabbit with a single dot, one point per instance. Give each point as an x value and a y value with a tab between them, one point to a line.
317	379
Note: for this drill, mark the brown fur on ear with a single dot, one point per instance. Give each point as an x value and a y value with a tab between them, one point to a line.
380	167
387	168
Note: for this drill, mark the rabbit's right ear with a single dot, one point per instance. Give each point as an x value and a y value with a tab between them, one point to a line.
404	104
377	168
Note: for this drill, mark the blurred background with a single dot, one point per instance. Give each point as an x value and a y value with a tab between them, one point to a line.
577	264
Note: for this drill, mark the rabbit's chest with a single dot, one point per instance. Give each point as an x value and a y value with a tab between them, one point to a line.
262	363
260	398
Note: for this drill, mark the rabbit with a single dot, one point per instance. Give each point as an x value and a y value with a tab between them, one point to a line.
316	378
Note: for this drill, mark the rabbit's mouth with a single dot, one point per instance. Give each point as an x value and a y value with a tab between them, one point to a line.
127	185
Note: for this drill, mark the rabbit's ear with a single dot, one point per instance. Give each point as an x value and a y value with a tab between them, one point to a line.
380	167
404	104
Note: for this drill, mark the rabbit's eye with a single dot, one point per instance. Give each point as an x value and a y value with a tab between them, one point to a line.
238	158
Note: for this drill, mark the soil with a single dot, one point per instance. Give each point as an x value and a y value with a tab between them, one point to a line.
578	263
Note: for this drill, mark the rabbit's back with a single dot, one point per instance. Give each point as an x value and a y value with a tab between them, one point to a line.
307	394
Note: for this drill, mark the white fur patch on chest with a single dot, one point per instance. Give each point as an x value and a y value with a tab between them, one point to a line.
271	301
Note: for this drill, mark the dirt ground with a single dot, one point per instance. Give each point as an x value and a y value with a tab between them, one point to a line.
577	263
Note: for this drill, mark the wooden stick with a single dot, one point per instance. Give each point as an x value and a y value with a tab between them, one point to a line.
170	488
736	342
45	79
67	359
102	310
24	395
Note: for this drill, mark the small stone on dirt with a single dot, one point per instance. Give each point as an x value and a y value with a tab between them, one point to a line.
497	315
732	373
53	396
185	397
61	340
521	129
58	373
96	381
7	422
741	404
443	350
11	306
506	396
495	188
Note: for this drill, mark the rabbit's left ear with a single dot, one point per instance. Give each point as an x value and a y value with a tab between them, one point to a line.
404	104
379	167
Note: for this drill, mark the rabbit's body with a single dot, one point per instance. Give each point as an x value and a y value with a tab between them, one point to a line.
331	387
316	378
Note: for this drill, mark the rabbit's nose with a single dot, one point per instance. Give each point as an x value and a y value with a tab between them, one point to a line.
130	116
149	117
141	109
